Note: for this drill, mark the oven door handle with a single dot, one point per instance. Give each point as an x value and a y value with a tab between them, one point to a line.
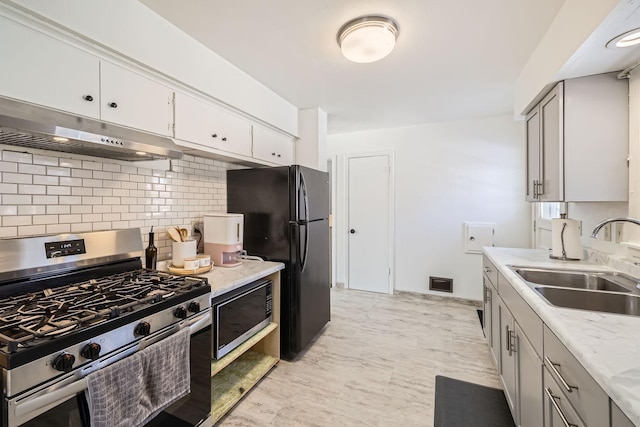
199	322
56	396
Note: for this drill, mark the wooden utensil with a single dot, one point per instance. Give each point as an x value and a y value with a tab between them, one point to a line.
174	234
184	233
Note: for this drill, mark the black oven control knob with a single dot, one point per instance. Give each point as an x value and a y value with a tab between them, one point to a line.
143	328
194	306
180	313
64	362
91	351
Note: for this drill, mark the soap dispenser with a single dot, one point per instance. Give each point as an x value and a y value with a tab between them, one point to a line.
151	253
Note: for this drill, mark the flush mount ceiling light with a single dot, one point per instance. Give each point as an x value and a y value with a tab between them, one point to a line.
630	38
368	38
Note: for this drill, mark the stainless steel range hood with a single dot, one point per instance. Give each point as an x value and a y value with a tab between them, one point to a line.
27	125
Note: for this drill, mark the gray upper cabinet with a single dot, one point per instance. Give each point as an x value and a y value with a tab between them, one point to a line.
577	142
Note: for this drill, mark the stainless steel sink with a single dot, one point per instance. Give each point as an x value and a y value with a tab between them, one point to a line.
590	280
608	302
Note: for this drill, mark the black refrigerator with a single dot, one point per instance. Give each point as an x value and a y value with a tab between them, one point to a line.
286	219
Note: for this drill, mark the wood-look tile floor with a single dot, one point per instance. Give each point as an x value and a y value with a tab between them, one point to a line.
374	364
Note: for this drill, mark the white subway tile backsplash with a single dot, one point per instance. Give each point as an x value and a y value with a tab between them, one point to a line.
71	163
32	230
6	232
15	156
81	209
32	189
58	228
81	173
58	171
8	188
16	199
45	219
58	209
8	210
32	210
89	165
70	200
45	160
82	195
16	178
58	190
8	167
27	168
16	220
46	180
45	200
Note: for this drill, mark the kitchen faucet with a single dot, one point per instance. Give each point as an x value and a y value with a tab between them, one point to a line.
594	234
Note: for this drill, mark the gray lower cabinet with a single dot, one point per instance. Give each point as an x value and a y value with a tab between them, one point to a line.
529	382
618	419
508	355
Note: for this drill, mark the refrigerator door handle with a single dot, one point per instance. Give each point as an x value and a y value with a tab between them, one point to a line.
306	219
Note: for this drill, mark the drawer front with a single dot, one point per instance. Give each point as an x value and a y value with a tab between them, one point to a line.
490	270
586	396
557	408
528	320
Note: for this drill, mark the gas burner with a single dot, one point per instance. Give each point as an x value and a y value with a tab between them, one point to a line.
51	313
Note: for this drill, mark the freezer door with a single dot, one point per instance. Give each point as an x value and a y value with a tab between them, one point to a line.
311	194
262	195
310	286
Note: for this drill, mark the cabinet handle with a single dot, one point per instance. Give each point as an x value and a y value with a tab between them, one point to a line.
552	367
540	189
487	294
535	189
224	138
507	334
273	154
487	269
553	398
88	98
215	135
278	155
113	105
512	342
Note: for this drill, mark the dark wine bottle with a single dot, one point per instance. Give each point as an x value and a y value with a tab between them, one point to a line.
151	253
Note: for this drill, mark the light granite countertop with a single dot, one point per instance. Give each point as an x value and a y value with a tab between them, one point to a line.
607	345
225	279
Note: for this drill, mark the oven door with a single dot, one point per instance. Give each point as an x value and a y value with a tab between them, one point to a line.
61	403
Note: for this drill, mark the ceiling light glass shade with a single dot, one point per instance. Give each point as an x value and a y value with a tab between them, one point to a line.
630	38
368	38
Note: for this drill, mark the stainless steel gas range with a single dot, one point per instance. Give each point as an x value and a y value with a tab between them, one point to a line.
78	308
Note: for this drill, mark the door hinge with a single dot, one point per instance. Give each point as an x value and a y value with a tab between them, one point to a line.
389	271
534	225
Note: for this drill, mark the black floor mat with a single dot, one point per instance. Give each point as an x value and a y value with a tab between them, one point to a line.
481	317
459	403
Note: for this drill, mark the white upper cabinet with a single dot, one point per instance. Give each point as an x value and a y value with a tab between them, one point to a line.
39	69
204	124
42	70
272	146
134	101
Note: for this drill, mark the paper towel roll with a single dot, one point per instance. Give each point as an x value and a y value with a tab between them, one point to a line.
567	231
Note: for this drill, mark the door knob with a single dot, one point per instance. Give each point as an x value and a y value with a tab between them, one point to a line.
352	231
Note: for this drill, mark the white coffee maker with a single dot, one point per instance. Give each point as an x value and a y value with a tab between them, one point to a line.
223	238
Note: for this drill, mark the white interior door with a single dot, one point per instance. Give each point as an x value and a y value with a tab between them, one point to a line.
369	223
543	213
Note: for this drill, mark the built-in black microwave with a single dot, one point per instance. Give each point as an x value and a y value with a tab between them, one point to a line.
240	314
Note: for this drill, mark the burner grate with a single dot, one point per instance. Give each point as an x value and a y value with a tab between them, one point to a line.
54	312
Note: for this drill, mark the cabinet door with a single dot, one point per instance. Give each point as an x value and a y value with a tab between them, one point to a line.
272	146
134	101
486	309
558	412
205	124
551	131
508	348
495	327
41	70
529	379
533	154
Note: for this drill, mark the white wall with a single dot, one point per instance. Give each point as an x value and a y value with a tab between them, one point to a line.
445	174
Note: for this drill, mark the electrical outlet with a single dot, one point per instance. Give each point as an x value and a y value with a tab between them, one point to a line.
619	233
606	232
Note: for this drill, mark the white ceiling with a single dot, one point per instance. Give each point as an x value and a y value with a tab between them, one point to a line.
453	59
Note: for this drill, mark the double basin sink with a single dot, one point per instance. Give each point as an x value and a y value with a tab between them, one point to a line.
604	291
